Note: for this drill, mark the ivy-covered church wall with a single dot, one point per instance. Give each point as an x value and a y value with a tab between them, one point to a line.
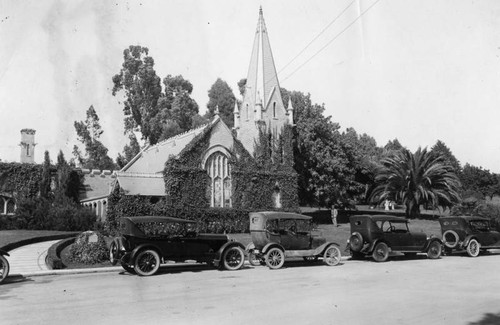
20	180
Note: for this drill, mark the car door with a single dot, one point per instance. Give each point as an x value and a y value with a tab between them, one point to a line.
398	236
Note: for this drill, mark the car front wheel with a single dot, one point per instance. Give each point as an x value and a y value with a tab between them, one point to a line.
275	258
434	250
147	262
233	258
4	268
473	248
253	259
332	255
113	253
381	252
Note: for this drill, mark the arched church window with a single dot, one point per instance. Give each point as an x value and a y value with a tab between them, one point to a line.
247	111
274	109
219	184
11	206
277	197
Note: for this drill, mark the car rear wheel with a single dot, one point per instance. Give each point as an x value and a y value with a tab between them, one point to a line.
332	255
450	239
381	252
113	253
356	242
233	258
4	268
473	248
147	262
434	250
275	258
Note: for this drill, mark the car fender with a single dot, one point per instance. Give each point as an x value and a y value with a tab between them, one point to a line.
141	247
321	249
249	248
371	247
430	241
218	254
2	252
467	240
271	245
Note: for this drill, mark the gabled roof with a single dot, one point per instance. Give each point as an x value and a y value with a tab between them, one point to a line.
152	158
96	184
141	183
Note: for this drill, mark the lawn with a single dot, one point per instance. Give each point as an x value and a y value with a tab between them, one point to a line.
9	237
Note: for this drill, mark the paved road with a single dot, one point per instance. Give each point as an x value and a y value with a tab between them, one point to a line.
452	290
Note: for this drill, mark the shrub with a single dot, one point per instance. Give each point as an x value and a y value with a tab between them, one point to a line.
89	248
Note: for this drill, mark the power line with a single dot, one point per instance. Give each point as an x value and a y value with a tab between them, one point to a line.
331	41
317	36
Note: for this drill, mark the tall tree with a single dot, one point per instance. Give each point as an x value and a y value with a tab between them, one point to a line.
89	132
129	151
393	145
142	90
476	180
416	179
221	95
445	153
45	183
67	180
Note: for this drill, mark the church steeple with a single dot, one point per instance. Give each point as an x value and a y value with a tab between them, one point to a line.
262	104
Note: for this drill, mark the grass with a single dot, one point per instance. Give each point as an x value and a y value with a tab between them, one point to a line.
11	237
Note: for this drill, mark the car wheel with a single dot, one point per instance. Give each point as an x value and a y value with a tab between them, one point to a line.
473	248
332	255
450	238
128	268
310	259
233	258
113	253
253	259
434	251
381	252
147	262
4	268
356	242
275	258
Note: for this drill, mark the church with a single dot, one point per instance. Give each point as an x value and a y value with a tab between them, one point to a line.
247	167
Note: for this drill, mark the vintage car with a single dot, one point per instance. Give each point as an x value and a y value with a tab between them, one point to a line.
147	241
379	235
4	265
278	235
472	234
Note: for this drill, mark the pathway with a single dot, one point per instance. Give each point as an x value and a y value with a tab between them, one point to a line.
29	258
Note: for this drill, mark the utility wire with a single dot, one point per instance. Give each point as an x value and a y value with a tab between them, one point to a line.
317	36
331	41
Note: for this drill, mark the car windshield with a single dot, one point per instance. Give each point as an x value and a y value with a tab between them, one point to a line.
393	226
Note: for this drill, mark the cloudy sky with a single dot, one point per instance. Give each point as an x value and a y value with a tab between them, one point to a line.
417	71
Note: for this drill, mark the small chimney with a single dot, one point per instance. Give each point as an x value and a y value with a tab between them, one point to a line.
27	146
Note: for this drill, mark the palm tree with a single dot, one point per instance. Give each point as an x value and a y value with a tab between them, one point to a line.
422	178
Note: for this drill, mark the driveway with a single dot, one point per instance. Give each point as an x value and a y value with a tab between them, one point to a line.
451	290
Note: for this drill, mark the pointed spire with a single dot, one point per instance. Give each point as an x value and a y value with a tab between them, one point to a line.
289	111
217	110
236	115
236	109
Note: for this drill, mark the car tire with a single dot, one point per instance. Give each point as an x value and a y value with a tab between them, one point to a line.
275	258
4	268
113	253
253	259
332	255
450	239
233	258
435	249
356	242
128	268
147	262
380	252
473	248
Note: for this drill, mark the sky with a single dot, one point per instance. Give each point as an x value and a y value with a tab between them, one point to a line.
418	71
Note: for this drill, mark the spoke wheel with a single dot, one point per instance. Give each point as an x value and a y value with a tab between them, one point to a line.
4	268
275	258
381	252
147	262
113	253
332	255
434	250
473	248
253	259
233	257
